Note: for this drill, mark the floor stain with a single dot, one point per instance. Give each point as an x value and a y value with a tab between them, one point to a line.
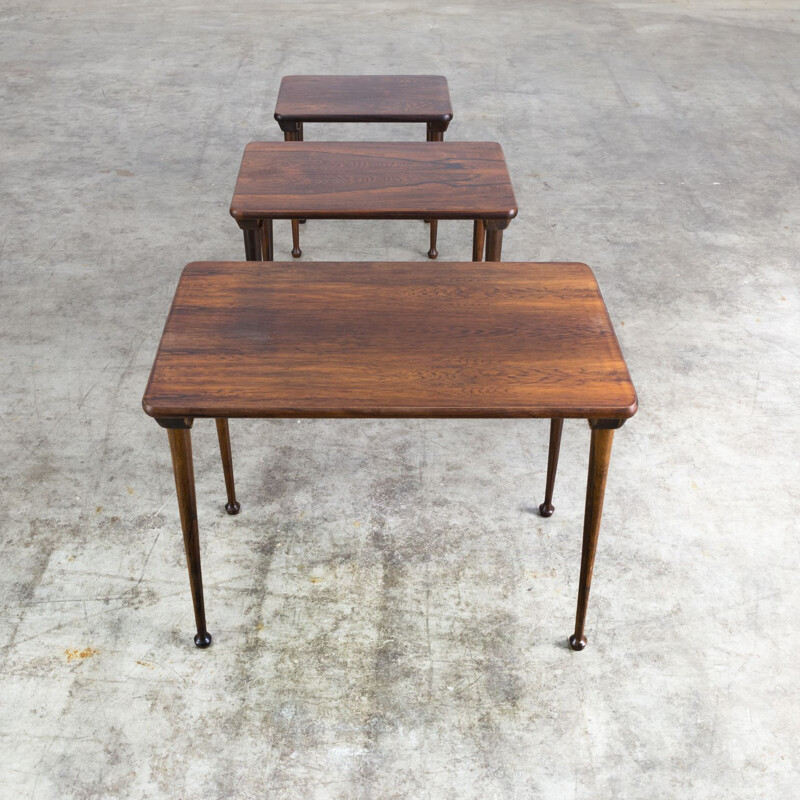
80	655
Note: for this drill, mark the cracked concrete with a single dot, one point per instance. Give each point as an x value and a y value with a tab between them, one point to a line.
389	613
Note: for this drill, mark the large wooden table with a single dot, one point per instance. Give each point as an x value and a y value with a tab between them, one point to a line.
363	98
369	339
373	180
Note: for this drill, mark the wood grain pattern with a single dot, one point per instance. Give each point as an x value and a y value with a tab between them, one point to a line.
373	180
363	98
257	339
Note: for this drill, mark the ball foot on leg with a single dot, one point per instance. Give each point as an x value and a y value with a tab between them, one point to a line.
546	509
296	251
577	644
232	508
202	640
434	231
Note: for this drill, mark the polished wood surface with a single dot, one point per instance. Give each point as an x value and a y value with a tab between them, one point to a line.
224	436
546	509
267	241
478	240
494	243
363	98
252	245
373	180
251	339
180	443
599	457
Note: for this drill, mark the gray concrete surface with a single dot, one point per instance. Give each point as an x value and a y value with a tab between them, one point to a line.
389	612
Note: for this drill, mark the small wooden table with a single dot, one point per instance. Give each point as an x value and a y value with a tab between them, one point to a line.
363	98
388	340
373	180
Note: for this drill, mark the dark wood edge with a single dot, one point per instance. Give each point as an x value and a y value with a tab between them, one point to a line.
269	144
605	424
635	405
601	418
145	405
174	423
499	223
252	223
368	75
491	222
290	123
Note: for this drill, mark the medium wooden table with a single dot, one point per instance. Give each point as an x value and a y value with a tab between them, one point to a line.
363	98
373	180
388	340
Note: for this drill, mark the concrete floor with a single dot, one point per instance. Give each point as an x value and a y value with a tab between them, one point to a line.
389	612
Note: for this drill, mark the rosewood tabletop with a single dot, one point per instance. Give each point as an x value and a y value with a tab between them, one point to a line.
380	339
363	98
388	340
372	180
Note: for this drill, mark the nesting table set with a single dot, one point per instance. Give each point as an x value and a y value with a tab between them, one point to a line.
479	339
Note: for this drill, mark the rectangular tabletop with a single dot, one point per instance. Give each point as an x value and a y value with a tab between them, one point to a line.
255	339
373	180
363	98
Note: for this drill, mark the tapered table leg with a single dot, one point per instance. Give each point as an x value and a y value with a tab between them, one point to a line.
266	239
478	240
433	252
296	251
252	244
180	444
494	244
599	455
223	434
294	136
428	139
300	139
546	509
434	136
